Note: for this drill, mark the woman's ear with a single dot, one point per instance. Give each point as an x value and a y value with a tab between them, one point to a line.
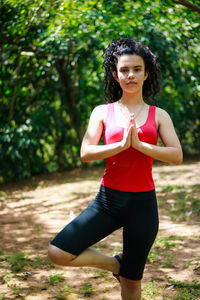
146	75
115	76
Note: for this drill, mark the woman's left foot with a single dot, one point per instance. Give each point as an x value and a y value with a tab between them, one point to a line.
118	257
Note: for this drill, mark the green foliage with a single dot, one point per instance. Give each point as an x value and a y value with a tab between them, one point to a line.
181	202
21	262
17	261
150	290
52	75
2	296
22	152
101	273
55	279
163	250
62	292
87	288
185	290
6	278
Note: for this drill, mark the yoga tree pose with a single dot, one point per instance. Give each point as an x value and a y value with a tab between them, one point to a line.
126	197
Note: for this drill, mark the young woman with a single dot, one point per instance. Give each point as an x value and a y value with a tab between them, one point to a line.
126	197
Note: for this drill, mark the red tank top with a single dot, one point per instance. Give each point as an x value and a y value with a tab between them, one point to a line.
129	170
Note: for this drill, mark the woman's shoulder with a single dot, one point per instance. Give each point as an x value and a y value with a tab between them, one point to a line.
100	108
100	111
162	115
161	112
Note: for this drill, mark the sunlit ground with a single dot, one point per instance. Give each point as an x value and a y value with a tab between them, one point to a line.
34	210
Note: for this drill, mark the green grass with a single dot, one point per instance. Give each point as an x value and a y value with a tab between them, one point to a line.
185	294
168	261
87	288
101	273
16	261
170	188
99	246
17	291
185	290
162	251
55	279
87	270
39	262
2	296
61	293
117	250
168	242
3	196
181	290
20	262
182	202
67	289
150	290
7	277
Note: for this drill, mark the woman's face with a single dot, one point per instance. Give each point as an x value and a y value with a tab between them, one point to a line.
130	73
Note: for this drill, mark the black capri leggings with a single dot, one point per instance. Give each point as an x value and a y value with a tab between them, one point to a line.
136	212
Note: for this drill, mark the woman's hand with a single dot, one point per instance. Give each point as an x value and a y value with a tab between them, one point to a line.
126	141
135	142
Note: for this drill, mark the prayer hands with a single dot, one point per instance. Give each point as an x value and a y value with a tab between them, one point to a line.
126	141
134	136
130	137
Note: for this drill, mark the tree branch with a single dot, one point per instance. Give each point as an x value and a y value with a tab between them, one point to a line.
14	90
188	4
75	79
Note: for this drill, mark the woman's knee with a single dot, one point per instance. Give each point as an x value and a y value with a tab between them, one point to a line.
59	257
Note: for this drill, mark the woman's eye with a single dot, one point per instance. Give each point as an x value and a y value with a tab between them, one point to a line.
137	70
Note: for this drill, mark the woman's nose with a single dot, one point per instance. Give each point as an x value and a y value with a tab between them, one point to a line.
130	74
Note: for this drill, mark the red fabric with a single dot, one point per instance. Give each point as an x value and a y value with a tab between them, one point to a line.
129	170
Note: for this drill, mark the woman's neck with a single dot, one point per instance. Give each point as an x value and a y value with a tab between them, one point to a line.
130	99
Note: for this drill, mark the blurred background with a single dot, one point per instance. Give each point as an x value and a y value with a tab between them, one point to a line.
52	75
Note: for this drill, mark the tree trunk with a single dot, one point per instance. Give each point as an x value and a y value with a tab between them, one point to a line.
14	91
188	4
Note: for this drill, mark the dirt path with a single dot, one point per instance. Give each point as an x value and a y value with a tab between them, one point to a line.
33	211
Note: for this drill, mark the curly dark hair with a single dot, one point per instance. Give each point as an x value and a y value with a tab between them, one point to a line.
118	47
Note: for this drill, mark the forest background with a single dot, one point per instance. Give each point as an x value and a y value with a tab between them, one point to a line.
52	75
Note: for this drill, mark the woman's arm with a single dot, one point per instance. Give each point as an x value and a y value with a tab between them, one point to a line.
90	150
171	151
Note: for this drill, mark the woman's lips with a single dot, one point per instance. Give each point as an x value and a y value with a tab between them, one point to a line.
131	83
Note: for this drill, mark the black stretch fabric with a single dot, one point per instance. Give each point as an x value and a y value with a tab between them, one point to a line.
136	212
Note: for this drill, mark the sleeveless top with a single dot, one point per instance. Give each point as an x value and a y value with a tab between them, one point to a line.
129	170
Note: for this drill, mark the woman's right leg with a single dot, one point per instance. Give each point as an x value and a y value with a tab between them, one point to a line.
88	257
71	246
